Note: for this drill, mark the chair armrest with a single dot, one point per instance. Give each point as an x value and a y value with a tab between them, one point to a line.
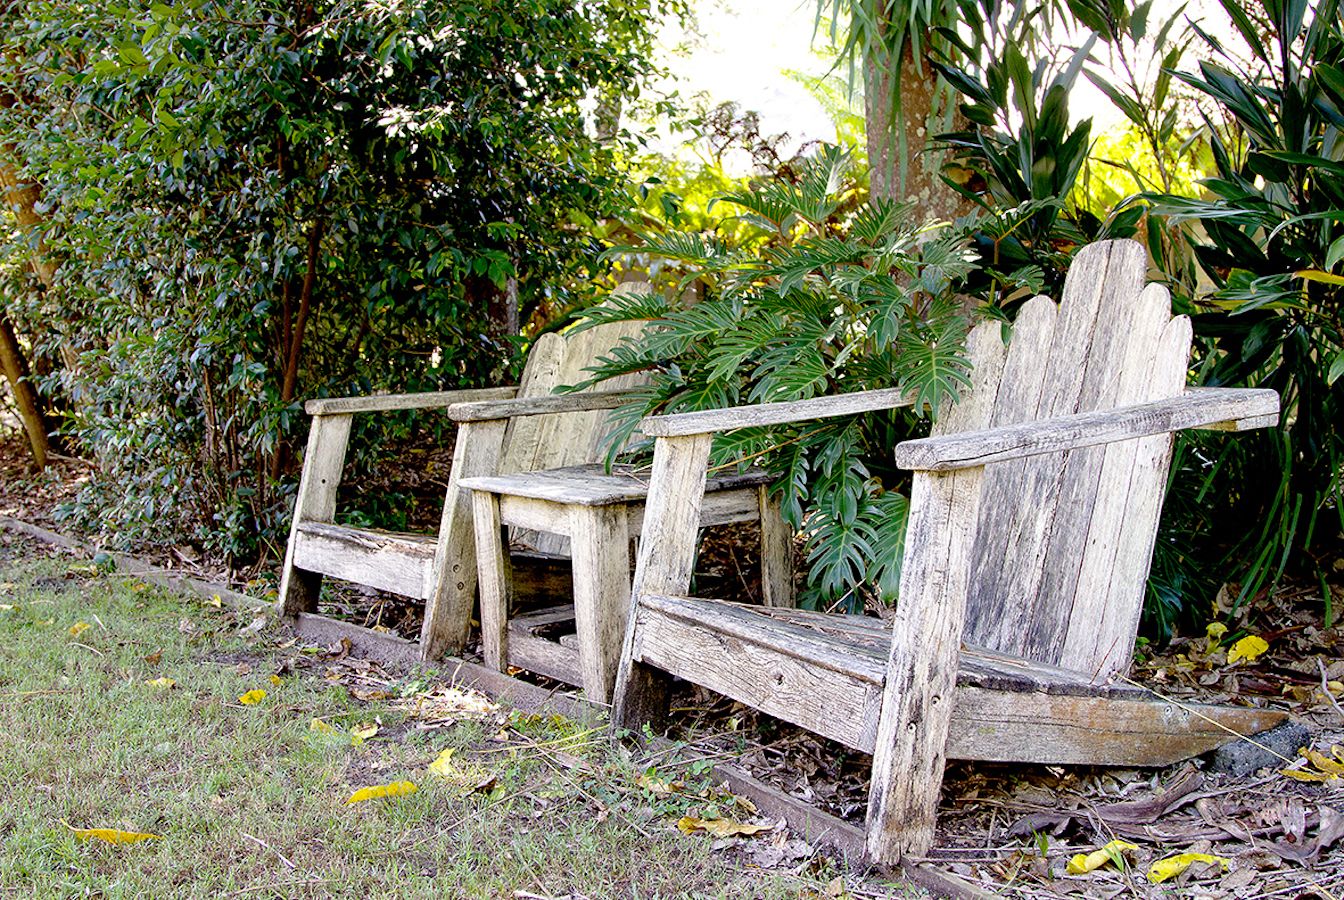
1224	409
387	402
487	410
712	420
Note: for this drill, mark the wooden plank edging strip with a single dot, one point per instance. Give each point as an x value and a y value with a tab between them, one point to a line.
129	565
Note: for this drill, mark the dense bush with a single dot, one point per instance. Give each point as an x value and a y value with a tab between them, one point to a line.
254	203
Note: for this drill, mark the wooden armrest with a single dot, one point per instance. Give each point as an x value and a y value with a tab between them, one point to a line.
387	402
711	420
539	406
1224	409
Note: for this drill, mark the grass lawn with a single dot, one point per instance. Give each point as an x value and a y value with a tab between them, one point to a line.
251	800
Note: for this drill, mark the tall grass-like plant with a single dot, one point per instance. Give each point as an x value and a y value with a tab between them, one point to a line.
826	295
1268	240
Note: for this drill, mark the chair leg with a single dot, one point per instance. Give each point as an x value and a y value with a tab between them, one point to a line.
921	679
494	578
776	553
599	542
666	561
448	608
315	501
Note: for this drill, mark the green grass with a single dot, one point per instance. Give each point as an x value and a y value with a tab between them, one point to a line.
251	803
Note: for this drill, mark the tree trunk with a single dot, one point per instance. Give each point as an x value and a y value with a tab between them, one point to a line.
15	368
902	169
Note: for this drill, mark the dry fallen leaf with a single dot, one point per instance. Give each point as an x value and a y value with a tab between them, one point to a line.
253	697
1172	866
1083	863
1323	768
361	733
657	785
78	628
111	835
395	789
1248	648
320	727
719	828
162	682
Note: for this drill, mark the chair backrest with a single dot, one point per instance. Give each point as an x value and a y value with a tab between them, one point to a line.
556	359
1065	540
535	443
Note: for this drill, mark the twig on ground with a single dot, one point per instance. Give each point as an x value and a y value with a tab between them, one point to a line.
265	846
93	650
1325	688
277	885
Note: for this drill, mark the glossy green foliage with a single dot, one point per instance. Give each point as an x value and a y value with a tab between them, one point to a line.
829	295
257	203
1018	160
1268	293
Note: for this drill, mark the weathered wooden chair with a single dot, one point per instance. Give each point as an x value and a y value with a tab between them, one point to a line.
1034	510
527	428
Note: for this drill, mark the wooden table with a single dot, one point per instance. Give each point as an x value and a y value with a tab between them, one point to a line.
600	512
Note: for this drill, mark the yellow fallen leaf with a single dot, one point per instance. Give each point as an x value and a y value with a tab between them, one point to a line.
1323	762
1088	862
443	763
78	628
161	682
719	827
322	727
111	835
1248	648
395	789
1214	633
361	733
215	601
275	680
45	622
1172	866
253	697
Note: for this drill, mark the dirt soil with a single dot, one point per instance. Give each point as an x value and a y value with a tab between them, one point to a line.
1276	830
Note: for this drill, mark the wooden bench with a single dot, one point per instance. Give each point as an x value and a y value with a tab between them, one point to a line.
1033	514
518	429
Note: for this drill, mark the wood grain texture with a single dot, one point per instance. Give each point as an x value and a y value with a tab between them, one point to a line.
592	485
776	552
1005	710
314	502
537	406
708	421
1190	410
600	538
921	672
448	610
665	563
493	580
392	402
780	671
387	561
1098	633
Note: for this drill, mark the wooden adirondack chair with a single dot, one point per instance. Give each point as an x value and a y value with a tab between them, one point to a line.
528	429
1034	510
